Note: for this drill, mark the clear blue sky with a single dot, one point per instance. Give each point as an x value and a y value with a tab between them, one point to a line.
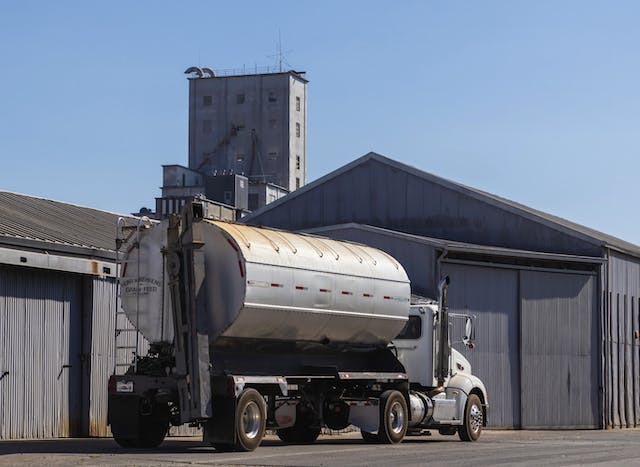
536	101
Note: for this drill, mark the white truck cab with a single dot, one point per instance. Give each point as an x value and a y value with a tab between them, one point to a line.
444	393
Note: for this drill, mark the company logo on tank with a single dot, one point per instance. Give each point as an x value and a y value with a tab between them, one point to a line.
142	286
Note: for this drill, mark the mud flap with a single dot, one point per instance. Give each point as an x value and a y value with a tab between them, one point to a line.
221	428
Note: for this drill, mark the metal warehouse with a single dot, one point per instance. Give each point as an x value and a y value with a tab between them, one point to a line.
57	317
557	303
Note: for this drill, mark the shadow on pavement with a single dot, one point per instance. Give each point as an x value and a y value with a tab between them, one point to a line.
176	446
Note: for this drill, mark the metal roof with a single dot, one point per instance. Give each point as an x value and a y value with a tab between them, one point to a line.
452	246
29	221
549	220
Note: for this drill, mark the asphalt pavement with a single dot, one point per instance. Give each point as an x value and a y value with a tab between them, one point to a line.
505	448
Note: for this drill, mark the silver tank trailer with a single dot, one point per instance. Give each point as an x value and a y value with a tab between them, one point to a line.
269	284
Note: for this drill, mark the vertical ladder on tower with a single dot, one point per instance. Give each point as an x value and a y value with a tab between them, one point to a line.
128	342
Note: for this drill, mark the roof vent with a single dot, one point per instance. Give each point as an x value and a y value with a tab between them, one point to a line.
194	69
208	71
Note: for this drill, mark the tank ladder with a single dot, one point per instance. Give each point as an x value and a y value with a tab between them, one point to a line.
127	341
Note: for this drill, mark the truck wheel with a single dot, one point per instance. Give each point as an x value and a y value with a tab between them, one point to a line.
125	442
306	428
298	434
223	447
394	418
152	429
251	419
152	433
473	420
369	437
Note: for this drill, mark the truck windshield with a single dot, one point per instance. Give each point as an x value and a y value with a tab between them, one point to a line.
411	330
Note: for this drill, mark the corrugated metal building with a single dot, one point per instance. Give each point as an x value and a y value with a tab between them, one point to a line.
57	317
558	304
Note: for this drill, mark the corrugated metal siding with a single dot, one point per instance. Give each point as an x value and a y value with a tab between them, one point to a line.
486	293
103	351
559	350
102	344
491	295
621	347
102	356
40	338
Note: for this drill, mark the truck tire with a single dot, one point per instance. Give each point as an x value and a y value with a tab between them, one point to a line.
251	419
152	433
222	447
369	437
299	434
125	442
306	428
394	417
152	429
473	420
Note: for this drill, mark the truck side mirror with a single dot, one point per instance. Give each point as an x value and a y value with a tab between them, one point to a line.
469	333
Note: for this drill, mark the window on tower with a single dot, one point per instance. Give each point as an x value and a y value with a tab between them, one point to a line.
298	104
207	100
298	162
297	130
273	97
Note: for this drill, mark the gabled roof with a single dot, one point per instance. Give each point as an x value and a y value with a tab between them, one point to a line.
549	220
33	222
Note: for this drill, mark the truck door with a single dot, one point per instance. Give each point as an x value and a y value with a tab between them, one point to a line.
415	346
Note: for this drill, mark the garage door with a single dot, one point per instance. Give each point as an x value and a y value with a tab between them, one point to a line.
40	344
492	295
559	350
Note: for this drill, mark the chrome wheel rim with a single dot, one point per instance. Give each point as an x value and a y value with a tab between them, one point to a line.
251	420
475	418
396	417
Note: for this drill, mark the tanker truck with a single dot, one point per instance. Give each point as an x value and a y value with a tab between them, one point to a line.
253	329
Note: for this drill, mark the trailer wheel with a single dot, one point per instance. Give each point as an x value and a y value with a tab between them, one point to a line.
251	419
299	434
473	419
306	428
125	442
153	433
394	418
223	447
152	429
369	437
